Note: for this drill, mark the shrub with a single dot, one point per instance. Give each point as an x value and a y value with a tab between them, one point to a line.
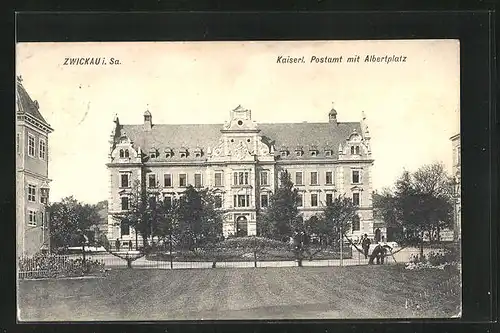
49	265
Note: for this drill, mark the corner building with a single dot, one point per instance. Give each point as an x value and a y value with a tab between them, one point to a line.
241	160
32	171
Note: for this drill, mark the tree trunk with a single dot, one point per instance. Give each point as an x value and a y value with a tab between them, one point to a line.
255	258
129	263
83	252
422	246
171	259
136	241
299	262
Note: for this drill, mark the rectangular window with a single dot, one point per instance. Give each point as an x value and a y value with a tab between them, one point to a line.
32	218
355	199
240	178
167	201
218	201
124	228
152	202
329	178
182	180
314	178
42	149
31	193
242	200
42	220
356	176
124	203
300	200
314	200
218	179
124	180
197	180
298	178
31	145
264	180
264	200
18	143
167	180
329	198
152	180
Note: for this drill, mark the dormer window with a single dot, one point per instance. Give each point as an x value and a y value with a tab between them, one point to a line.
168	153
122	153
153	153
328	153
284	152
313	151
198	152
126	153
355	150
299	151
183	152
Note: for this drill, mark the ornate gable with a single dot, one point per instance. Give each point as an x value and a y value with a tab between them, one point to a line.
241	121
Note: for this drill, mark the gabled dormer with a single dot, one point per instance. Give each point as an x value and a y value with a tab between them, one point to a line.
241	121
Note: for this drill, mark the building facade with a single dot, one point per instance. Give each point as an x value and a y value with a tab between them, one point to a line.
457	212
32	182
241	161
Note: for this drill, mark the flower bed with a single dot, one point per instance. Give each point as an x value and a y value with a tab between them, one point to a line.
52	266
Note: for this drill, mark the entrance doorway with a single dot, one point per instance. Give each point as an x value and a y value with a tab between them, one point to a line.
241	226
377	235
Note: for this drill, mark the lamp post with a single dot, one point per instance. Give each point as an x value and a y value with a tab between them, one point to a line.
44	198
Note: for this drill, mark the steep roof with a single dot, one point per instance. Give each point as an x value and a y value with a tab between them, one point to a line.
26	105
289	135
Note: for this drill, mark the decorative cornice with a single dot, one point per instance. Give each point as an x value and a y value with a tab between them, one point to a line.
35	122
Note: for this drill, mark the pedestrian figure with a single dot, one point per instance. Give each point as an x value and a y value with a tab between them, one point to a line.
378	254
117	245
365	244
130	246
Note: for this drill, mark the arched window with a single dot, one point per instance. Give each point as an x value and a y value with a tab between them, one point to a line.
357	150
121	153
356	223
126	153
352	150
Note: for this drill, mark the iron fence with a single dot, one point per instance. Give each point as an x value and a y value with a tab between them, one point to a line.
41	267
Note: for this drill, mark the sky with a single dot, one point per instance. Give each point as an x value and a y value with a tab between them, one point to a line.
411	107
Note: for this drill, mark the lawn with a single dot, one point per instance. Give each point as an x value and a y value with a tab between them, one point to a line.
264	293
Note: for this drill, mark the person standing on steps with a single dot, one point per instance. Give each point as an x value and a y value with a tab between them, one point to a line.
117	245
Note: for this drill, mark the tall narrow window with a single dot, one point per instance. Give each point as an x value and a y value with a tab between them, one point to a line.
357	150
42	219
32	218
31	193
355	199
126	153
314	200
42	149
18	143
167	180
152	180
31	145
329	178
246	178
356	225
300	200
218	201
352	150
314	178
125	228
329	198
264	200
124	203
182	180
124	180
235	178
263	178
356	177
197	180
218	179
122	153
298	178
